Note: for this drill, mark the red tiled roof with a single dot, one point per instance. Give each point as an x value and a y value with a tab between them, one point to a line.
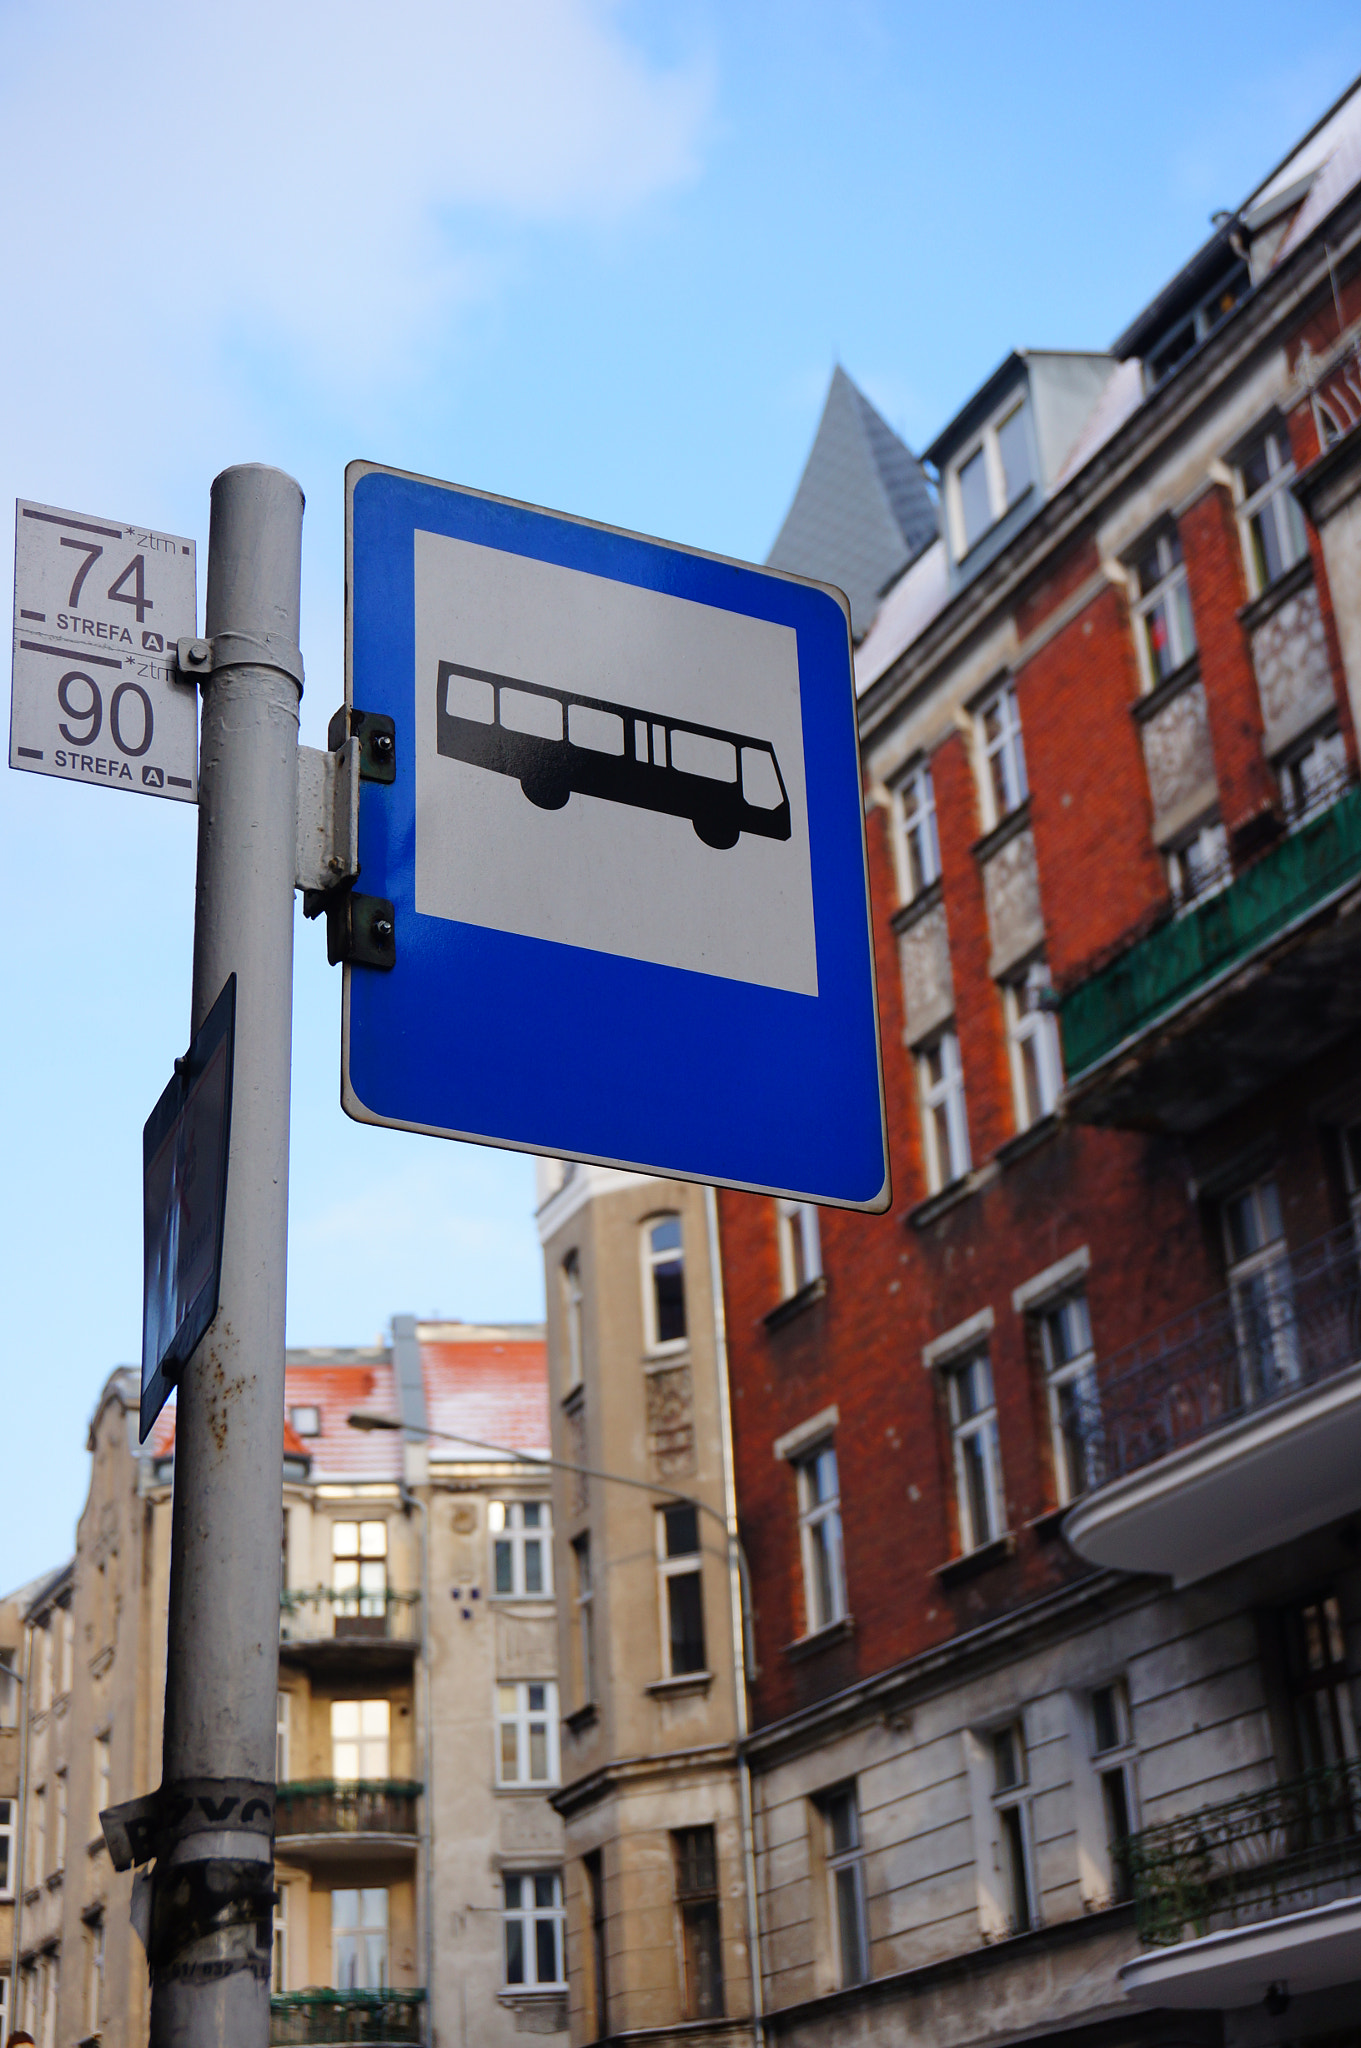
338	1384
493	1383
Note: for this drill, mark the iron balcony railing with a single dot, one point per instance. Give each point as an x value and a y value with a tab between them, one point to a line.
1250	1859
1292	1322
385	2019
1170	964
318	1613
357	1806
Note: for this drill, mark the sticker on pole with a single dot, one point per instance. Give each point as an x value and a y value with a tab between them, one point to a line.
99	605
624	846
185	1143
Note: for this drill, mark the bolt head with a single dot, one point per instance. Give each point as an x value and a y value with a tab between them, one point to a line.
382	743
382	930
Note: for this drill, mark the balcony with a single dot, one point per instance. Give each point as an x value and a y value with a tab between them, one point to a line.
344	1820
1194	1018
1231	1429
1260	1890
385	2019
319	1627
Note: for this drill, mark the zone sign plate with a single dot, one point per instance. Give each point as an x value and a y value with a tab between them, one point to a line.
98	607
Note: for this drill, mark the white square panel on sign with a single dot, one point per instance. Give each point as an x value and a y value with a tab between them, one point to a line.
98	607
530	675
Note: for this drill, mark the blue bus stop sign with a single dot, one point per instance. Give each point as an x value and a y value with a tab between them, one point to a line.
624	845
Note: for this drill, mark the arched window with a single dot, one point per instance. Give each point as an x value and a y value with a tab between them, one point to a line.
663	1282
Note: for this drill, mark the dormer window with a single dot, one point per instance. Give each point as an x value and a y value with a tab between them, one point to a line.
994	475
1176	344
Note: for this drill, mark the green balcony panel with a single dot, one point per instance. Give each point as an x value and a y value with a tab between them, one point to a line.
358	1806
382	2019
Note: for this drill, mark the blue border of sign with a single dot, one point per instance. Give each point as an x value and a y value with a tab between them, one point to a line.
549	1048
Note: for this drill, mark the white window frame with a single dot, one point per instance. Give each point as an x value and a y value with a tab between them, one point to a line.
1033	1048
519	1714
1071	1380
528	1919
371	1743
820	1538
356	1572
917	839
1014	1829
942	1102
1171	595
1313	775
279	1960
283	1719
583	1596
1191	883
9	1834
305	1417
687	1564
1273	503
1000	501
509	1533
1003	784
573	1297
846	1882
1261	1288
800	1240
652	1260
361	1931
975	1436
1116	1761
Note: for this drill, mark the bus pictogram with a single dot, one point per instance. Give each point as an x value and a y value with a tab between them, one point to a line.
557	743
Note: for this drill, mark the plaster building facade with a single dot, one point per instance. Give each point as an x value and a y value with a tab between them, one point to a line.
1048	1479
657	1850
418	1860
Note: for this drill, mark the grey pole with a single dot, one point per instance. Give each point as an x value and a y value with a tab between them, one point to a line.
210	1934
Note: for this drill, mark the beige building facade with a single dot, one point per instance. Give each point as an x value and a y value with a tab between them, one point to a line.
418	1859
657	1853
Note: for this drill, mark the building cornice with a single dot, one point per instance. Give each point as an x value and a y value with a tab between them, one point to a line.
633	1771
1172	409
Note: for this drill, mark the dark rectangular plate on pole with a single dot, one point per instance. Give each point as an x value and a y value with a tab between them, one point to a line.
185	1143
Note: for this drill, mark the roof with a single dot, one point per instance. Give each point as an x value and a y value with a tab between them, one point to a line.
904	614
863	509
490	1380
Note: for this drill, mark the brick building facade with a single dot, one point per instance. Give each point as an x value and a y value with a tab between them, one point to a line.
1047	1479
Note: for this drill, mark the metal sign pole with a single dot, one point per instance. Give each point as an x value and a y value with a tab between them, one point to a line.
209	1942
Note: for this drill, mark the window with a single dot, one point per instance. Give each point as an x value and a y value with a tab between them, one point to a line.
279	1973
306	1420
682	1594
1113	1758
824	1574
9	1691
1065	1334
1011	1806
59	1822
993	477
1004	777
522	1549
569	1283
359	1939
37	1836
1261	1292
583	1596
94	1980
663	1283
101	1782
1313	776
360	1731
697	1904
593	1865
7	1816
1177	342
281	1733
1033	1044
800	1246
1320	1692
1162	608
359	1572
977	1460
534	1930
527	1733
846	1882
5	2021
945	1129
1271	522
919	863
68	1648
1198	865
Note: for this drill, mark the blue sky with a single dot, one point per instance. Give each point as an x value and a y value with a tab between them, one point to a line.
603	257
